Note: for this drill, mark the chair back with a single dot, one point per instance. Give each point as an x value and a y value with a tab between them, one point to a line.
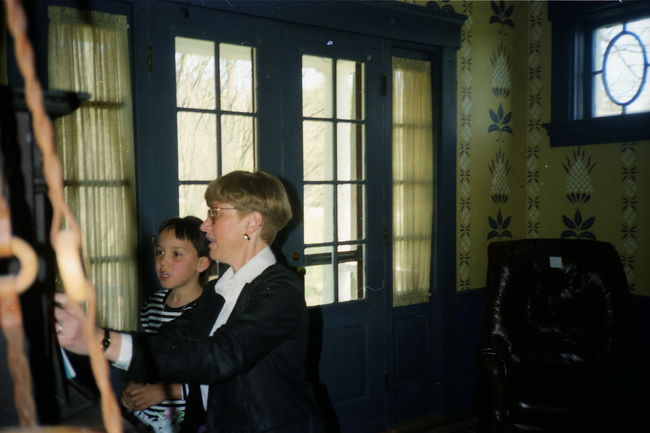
554	352
556	301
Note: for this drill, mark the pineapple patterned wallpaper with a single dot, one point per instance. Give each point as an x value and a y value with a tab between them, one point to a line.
511	183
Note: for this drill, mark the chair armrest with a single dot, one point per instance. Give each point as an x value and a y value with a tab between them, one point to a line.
494	357
495	365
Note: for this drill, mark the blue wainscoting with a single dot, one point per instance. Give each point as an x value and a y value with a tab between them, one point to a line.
641	319
469	327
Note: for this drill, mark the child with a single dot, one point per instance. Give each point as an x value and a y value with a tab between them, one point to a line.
182	265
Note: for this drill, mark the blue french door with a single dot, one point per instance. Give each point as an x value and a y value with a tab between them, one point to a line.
334	164
308	106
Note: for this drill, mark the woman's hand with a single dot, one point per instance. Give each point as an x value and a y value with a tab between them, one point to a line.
69	325
125	399
139	396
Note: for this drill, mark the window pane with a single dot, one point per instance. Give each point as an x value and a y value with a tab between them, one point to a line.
642	103
237	143
317	150
236	78
191	201
350	288
316	86
96	206
319	279
602	104
347	248
601	40
318	209
195	74
350	212
319	285
624	67
349	151
197	146
642	29
349	90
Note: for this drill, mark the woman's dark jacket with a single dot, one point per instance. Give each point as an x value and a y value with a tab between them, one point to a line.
254	363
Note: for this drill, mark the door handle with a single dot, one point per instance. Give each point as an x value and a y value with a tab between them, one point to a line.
301	270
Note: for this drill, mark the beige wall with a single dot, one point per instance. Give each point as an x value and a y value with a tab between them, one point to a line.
537	189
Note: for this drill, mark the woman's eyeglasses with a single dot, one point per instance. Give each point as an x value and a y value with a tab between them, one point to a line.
214	212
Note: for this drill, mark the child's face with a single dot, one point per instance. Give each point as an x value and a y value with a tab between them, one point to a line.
178	264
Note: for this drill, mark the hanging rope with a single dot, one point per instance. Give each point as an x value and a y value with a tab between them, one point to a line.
11	319
66	242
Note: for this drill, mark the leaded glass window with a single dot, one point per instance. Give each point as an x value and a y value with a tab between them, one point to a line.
620	73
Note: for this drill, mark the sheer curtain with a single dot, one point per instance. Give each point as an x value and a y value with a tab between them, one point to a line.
88	52
412	181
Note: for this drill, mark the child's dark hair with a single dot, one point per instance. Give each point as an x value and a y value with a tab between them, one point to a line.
188	228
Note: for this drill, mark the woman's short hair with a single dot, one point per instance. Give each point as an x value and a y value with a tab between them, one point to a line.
258	191
189	228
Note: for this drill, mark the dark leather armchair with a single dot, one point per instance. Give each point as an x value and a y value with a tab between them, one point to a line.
555	352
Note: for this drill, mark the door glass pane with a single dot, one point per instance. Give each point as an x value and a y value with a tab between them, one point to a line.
191	201
350	212
317	85
349	287
237	143
236	78
319	279
349	151
319	209
333	170
195	73
349	90
197	154
317	157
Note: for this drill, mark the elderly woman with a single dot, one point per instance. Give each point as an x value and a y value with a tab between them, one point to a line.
250	372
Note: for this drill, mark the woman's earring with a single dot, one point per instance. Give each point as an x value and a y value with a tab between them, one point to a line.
248	238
